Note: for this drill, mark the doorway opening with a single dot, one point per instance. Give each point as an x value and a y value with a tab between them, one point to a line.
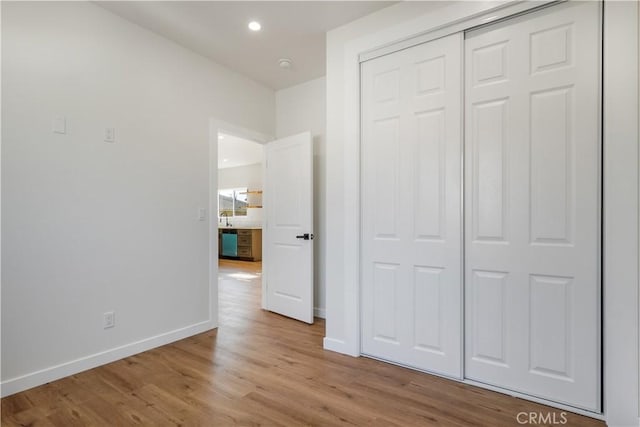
240	174
236	231
235	164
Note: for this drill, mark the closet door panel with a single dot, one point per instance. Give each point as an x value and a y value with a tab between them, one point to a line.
532	169
382	190
489	154
411	207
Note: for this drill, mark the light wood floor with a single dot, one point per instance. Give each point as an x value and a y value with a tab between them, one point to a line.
259	368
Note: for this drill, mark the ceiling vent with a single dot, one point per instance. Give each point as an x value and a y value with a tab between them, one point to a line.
285	63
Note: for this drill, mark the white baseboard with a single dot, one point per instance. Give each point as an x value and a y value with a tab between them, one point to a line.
34	379
319	312
339	346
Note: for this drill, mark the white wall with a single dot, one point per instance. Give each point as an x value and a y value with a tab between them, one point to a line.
249	176
298	109
90	226
620	286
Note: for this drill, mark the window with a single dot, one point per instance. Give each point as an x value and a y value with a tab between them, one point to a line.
232	202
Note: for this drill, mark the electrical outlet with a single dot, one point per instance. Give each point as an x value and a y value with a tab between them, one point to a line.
109	320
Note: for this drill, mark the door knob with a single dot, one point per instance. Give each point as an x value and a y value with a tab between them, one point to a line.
305	236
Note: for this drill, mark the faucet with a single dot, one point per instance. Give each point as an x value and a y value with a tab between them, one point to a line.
226	215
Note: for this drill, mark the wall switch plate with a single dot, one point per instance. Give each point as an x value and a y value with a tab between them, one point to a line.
109	135
109	320
59	125
202	214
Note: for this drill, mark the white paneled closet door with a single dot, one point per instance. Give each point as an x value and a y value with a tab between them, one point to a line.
411	206
532	204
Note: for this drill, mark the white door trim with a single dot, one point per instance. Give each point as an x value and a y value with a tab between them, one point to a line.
621	329
216	126
620	191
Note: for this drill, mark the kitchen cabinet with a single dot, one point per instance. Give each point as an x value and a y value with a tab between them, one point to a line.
248	243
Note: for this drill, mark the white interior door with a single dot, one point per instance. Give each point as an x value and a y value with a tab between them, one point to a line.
411	206
532	215
288	232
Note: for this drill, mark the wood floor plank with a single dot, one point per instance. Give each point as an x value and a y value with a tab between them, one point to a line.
33	417
261	369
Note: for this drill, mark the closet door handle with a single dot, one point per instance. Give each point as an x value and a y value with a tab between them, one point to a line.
305	236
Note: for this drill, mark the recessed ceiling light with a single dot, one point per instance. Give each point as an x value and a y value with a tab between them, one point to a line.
225	160
254	26
220	136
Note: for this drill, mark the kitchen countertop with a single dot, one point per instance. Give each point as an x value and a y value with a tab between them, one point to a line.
239	228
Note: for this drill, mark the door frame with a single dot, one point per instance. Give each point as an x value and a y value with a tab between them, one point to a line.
620	332
217	126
